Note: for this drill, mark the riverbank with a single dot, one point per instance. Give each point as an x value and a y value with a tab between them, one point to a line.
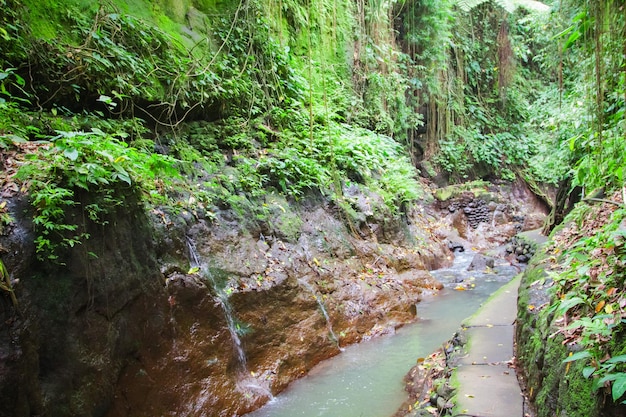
474	372
581	265
365	379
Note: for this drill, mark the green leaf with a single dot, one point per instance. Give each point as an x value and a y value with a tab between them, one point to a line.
568	303
14	138
583	354
122	175
619	386
588	371
98	131
607	378
617	359
71	154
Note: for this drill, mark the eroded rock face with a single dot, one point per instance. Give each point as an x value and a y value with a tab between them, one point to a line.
294	303
63	348
148	328
492	217
142	331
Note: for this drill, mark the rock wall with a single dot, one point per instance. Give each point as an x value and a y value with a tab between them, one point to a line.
187	313
76	324
553	387
295	301
137	331
488	216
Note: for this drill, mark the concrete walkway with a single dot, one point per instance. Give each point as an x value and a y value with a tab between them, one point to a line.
486	385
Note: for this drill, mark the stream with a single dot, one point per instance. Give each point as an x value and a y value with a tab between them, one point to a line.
366	379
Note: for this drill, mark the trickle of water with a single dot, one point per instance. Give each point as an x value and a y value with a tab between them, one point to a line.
322	307
193	252
253	385
222	299
173	325
234	335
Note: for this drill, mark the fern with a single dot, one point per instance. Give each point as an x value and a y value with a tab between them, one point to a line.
508	5
467	5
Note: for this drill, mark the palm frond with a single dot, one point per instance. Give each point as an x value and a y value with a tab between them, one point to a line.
508	5
467	5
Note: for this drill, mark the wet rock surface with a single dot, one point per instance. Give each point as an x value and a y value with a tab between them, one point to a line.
428	385
520	249
144	331
64	346
482	263
295	302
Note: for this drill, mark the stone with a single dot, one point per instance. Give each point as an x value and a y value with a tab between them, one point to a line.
481	263
262	246
443	404
456	246
445	390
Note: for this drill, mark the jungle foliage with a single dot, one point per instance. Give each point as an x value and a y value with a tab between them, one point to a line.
102	101
202	105
582	125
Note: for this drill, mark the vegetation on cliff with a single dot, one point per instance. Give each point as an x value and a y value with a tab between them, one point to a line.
198	105
571	316
571	340
115	97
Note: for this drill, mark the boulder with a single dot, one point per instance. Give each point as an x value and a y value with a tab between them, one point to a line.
481	262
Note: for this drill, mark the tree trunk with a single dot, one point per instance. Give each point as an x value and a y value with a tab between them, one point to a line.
566	198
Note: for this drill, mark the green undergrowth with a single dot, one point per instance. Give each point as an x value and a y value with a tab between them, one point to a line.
552	386
591	297
292	165
202	168
572	314
197	107
92	171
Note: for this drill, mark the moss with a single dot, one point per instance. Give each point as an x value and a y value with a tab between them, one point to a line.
428	167
176	9
576	394
562	390
205	5
285	222
42	18
54	294
617	345
478	188
554	387
46	17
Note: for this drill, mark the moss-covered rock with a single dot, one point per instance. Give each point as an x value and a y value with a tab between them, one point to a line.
553	387
477	188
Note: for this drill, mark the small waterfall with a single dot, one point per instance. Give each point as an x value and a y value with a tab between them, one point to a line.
222	298
233	329
173	325
322	307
